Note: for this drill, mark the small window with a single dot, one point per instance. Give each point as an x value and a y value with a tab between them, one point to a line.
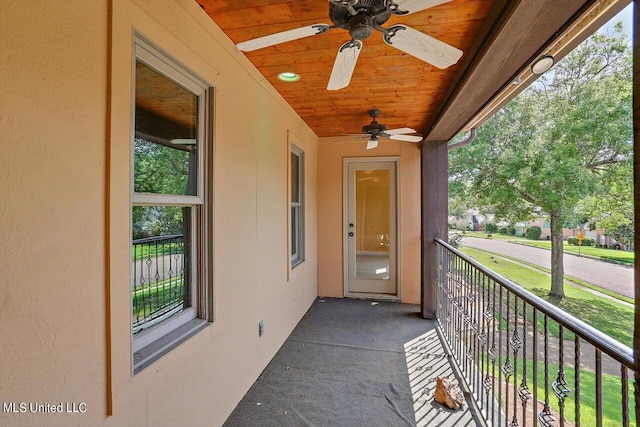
297	206
169	206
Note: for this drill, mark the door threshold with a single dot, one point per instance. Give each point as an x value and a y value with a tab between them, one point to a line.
367	296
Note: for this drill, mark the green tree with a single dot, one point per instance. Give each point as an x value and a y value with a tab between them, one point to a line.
553	145
161	168
612	208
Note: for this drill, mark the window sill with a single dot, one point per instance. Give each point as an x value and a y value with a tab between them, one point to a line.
296	263
154	351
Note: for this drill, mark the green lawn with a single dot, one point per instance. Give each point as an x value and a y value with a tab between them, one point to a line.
612	318
611	396
147	251
609	316
154	297
604	254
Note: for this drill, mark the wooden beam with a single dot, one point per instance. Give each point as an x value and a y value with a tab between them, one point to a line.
513	36
434	178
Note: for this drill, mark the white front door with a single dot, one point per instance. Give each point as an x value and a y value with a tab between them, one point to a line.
370	228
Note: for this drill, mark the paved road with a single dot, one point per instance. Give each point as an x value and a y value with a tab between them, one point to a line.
616	278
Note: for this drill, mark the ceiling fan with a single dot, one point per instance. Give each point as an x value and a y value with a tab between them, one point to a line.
360	18
374	131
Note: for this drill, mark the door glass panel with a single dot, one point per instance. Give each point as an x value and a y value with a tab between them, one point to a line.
372	224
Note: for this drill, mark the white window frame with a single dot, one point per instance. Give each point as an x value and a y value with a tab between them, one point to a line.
296	211
149	345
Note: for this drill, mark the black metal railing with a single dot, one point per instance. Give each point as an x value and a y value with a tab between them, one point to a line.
527	362
159	287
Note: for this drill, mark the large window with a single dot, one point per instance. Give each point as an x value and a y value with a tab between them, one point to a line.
170	290
297	206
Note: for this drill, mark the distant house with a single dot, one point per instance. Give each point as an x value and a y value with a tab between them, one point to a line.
477	221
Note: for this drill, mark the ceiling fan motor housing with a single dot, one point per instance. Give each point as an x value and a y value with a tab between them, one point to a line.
360	25
374	128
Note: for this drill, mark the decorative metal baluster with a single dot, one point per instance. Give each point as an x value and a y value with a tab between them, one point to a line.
484	340
516	343
493	354
458	309
473	326
135	278
184	276
576	365
598	387
560	387
467	321
450	295
452	291
625	396
523	390
173	282
507	368
500	321
157	284
545	417
148	284
535	364
461	311
447	289
439	293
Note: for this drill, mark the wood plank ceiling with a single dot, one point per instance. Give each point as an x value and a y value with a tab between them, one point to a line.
500	39
407	91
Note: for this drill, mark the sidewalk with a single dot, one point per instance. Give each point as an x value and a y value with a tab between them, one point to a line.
616	278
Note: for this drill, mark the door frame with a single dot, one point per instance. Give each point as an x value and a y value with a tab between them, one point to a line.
346	161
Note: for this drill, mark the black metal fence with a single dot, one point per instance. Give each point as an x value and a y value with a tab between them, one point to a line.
527	362
159	287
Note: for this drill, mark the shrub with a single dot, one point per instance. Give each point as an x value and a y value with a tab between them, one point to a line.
511	230
461	224
491	227
455	240
503	230
587	241
533	232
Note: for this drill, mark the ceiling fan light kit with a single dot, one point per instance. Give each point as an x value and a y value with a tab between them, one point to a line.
360	18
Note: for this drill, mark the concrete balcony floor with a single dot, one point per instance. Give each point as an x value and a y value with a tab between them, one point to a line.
354	363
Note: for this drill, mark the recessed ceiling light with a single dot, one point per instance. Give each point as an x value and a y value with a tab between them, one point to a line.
288	76
542	64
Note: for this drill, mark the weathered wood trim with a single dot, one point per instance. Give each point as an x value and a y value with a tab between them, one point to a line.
435	195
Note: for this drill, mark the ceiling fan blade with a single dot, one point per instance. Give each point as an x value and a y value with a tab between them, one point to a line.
422	46
372	143
285	36
410	6
408	138
399	131
344	65
350	138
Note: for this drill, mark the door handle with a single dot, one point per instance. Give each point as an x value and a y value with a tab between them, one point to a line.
351	234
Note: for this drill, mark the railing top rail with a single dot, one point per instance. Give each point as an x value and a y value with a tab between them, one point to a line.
599	339
157	239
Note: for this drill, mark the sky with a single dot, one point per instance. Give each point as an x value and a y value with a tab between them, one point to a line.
626	16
